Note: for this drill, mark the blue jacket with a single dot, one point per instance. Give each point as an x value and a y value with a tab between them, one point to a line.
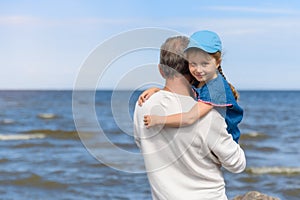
217	92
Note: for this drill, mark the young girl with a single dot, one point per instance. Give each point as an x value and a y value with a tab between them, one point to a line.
212	89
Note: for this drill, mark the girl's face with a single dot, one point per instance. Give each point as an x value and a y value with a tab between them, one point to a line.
202	66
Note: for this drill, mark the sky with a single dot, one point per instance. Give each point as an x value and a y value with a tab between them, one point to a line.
45	44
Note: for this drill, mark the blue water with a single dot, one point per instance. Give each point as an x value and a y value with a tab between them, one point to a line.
43	157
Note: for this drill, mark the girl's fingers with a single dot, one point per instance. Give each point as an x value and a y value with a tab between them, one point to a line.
143	97
146	121
141	100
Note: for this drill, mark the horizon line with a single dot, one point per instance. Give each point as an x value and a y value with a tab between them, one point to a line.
107	89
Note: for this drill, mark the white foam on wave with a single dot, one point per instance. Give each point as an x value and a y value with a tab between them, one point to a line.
21	136
47	115
274	170
254	135
7	121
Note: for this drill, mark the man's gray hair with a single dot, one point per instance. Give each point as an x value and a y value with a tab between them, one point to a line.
172	59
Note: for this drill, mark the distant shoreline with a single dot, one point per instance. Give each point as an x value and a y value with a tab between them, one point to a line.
109	90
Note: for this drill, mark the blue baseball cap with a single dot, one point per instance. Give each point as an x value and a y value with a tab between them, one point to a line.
208	41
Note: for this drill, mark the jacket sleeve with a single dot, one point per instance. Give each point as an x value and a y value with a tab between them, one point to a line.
228	152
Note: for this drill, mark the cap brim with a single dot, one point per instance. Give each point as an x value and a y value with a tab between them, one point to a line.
208	50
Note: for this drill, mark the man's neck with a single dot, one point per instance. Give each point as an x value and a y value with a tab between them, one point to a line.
178	85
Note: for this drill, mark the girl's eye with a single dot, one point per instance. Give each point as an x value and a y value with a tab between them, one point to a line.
193	64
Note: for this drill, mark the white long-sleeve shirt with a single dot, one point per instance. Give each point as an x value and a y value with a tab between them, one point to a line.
184	163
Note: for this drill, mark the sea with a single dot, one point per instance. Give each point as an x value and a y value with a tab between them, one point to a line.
54	145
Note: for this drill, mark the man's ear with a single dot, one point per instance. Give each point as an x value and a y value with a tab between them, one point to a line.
161	71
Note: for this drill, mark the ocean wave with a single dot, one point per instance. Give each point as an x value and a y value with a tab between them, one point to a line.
37	181
3	160
274	170
253	135
58	134
7	121
33	144
21	136
125	145
47	116
267	149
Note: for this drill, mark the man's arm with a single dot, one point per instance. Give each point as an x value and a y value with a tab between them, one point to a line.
229	153
136	125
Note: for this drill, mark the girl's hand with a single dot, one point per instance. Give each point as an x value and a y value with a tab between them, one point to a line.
146	95
152	120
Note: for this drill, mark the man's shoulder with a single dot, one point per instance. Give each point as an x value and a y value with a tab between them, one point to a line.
153	100
148	104
156	97
165	103
205	124
214	113
162	96
211	118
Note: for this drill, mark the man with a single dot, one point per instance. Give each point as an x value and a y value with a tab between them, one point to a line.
184	163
